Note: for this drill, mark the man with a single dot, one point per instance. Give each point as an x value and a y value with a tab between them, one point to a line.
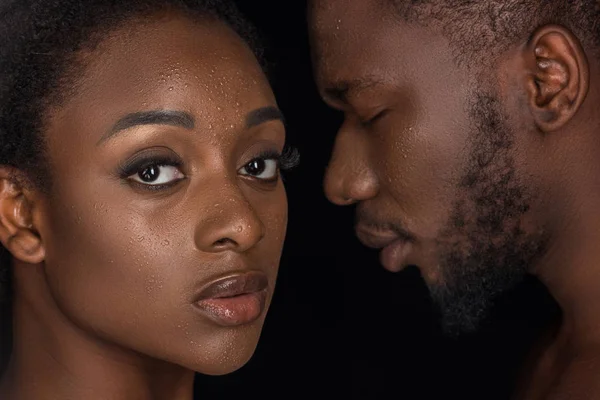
471	148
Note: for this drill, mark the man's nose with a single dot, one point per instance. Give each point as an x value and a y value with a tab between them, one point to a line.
350	177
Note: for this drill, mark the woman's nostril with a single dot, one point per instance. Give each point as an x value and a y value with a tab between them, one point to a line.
223	242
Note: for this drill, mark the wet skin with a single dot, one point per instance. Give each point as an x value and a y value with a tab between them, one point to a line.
165	180
476	173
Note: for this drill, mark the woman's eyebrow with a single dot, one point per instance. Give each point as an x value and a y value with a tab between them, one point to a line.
153	117
262	115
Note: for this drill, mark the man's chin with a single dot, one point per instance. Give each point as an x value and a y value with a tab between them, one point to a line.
460	311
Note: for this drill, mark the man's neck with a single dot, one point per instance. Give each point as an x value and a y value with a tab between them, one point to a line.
571	272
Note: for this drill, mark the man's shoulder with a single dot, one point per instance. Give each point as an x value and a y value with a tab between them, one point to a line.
580	379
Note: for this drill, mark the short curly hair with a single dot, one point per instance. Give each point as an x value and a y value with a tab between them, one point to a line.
478	27
38	65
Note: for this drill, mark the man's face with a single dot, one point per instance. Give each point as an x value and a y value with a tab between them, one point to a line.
427	155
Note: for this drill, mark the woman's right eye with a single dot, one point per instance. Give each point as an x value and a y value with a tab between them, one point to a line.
157	175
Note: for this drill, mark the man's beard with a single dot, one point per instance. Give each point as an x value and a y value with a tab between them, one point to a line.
484	249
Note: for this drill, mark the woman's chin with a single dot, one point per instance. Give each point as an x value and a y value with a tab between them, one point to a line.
223	355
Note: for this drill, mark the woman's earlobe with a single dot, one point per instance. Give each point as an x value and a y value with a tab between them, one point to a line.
18	233
558	80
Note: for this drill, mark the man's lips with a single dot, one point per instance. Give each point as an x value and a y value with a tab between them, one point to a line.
375	239
395	247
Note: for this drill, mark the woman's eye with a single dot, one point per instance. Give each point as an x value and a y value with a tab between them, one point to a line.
262	168
156	174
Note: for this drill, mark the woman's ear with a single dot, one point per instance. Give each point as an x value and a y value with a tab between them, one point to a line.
18	233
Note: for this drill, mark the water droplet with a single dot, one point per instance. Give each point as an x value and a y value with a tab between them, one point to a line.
239	229
165	242
170	88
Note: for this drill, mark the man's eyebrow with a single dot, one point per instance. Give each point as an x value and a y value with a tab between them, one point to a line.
341	91
153	117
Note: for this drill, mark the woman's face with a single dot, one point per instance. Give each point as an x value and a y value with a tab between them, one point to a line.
165	182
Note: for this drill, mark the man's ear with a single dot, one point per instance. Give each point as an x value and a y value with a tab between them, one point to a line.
18	232
558	79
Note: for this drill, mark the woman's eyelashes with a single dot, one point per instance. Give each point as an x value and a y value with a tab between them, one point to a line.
151	171
158	175
267	166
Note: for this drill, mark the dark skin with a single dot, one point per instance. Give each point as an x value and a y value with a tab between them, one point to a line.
106	267
405	147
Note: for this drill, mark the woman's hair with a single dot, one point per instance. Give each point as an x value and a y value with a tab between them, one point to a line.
39	68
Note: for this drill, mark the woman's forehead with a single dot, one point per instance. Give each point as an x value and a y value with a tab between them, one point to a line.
204	69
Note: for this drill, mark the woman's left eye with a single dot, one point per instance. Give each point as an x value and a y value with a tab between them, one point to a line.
266	169
156	174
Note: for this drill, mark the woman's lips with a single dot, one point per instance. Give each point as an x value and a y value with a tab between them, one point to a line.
234	300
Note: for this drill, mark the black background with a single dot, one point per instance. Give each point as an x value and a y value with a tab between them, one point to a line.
340	326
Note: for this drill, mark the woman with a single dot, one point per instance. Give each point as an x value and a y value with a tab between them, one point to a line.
141	207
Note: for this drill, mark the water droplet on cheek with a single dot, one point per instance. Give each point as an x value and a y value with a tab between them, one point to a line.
239	229
165	243
170	88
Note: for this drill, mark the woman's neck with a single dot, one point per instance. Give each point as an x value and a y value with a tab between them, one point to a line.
54	359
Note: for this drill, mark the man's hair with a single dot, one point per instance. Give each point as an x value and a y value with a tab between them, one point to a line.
480	29
40	40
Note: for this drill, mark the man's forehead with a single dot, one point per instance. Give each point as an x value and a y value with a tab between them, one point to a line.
326	10
344	34
341	89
